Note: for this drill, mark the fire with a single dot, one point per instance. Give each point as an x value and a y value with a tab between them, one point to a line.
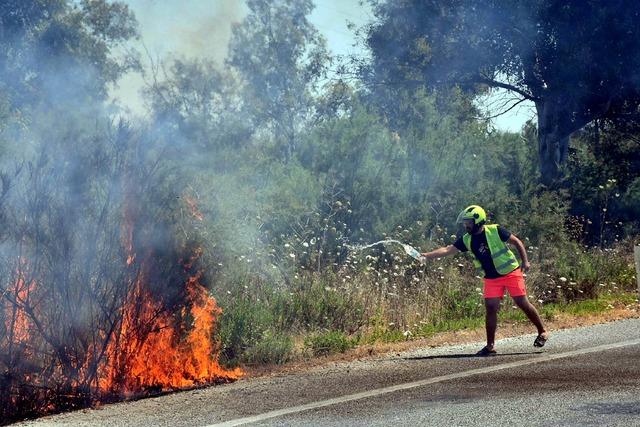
148	344
150	352
155	348
138	320
18	322
193	207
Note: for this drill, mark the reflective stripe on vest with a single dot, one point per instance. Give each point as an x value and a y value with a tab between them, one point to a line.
503	259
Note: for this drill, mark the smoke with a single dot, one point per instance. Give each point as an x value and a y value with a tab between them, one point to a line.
208	36
200	30
82	194
171	30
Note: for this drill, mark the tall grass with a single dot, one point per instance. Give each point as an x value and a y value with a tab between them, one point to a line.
389	297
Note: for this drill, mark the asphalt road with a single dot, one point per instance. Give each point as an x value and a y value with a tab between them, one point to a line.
583	377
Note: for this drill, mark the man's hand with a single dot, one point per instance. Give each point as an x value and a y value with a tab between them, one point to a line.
525	266
441	252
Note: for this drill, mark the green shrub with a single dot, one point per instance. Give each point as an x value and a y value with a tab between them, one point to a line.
329	343
380	329
572	272
318	302
243	324
276	349
462	304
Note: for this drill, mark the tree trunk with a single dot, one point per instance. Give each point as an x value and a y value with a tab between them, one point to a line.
554	129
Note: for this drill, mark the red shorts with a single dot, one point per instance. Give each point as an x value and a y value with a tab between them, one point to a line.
513	282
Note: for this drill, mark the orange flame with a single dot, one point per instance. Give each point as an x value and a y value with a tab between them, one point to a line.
165	360
193	207
17	322
152	349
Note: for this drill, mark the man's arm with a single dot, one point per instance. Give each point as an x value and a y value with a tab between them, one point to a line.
441	252
521	250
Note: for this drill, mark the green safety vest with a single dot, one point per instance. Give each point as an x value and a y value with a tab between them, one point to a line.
503	259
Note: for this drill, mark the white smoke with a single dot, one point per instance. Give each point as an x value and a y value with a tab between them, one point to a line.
173	29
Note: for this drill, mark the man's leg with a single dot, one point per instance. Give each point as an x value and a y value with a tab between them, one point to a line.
531	313
492	306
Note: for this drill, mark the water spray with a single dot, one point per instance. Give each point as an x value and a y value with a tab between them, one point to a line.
409	250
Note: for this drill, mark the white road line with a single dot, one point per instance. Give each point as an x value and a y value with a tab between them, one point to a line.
406	386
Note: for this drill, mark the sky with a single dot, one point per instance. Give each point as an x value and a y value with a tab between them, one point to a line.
202	28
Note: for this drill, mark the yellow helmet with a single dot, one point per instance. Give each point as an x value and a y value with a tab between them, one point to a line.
474	212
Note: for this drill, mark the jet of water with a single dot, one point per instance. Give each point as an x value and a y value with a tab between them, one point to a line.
409	250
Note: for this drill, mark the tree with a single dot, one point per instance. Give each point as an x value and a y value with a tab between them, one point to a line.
200	106
61	49
603	178
281	57
575	60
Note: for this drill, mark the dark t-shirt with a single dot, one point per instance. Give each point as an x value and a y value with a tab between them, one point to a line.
480	249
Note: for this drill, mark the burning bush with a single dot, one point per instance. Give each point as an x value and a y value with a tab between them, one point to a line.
100	298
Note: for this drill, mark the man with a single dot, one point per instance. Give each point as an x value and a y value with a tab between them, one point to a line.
500	268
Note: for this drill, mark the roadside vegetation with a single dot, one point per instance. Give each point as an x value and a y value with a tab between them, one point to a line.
142	255
366	303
